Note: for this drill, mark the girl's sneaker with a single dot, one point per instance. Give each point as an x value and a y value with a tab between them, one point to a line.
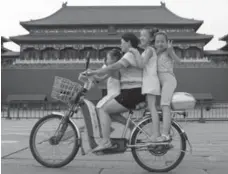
162	138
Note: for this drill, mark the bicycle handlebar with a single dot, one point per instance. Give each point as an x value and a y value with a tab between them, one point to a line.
88	81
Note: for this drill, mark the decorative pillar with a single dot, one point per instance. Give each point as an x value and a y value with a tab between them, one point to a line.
77	53
21	54
59	53
39	54
185	53
98	52
42	48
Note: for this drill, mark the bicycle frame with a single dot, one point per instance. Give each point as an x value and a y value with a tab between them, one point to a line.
93	126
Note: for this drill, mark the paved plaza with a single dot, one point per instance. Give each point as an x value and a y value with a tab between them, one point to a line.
209	140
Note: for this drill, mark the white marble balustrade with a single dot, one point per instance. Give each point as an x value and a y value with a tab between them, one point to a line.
203	59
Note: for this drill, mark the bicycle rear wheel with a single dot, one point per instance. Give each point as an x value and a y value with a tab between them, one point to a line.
43	146
158	158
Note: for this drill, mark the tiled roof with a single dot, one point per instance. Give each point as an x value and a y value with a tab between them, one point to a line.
225	47
224	38
103	15
99	37
4	39
3	49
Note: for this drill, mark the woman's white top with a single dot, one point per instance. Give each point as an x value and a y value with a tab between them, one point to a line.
130	75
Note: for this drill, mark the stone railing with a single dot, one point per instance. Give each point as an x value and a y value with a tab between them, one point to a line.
203	59
204	62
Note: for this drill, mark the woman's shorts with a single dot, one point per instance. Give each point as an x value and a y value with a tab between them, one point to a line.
129	98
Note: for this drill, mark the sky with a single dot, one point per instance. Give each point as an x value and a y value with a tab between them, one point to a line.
212	12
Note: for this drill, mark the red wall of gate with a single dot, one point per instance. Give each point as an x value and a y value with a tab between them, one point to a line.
39	81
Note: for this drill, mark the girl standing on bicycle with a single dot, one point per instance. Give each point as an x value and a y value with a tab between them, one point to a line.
166	58
131	83
150	82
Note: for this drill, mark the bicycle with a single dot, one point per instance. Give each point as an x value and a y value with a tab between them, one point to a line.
73	94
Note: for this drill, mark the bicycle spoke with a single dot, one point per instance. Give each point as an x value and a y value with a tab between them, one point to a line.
60	153
47	147
157	156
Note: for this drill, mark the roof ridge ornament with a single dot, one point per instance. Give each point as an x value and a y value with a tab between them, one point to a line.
64	4
162	4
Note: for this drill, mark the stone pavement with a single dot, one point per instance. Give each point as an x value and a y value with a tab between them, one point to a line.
209	140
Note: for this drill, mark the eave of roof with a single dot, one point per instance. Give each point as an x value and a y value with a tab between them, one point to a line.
5	49
4	39
225	47
104	15
101	37
224	38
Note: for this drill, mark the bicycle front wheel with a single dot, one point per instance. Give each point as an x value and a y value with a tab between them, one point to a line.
157	158
43	146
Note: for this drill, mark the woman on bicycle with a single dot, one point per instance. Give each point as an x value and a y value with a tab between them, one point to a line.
131	83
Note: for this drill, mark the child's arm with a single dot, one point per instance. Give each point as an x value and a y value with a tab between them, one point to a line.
101	78
142	60
172	53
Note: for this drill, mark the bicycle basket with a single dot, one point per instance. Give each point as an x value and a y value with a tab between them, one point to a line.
64	90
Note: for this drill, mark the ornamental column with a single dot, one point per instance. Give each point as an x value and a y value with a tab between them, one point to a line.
39	54
21	53
98	51
59	53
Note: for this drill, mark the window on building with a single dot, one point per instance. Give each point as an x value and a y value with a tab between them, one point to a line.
103	52
69	53
92	51
31	53
193	52
179	52
50	53
198	53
